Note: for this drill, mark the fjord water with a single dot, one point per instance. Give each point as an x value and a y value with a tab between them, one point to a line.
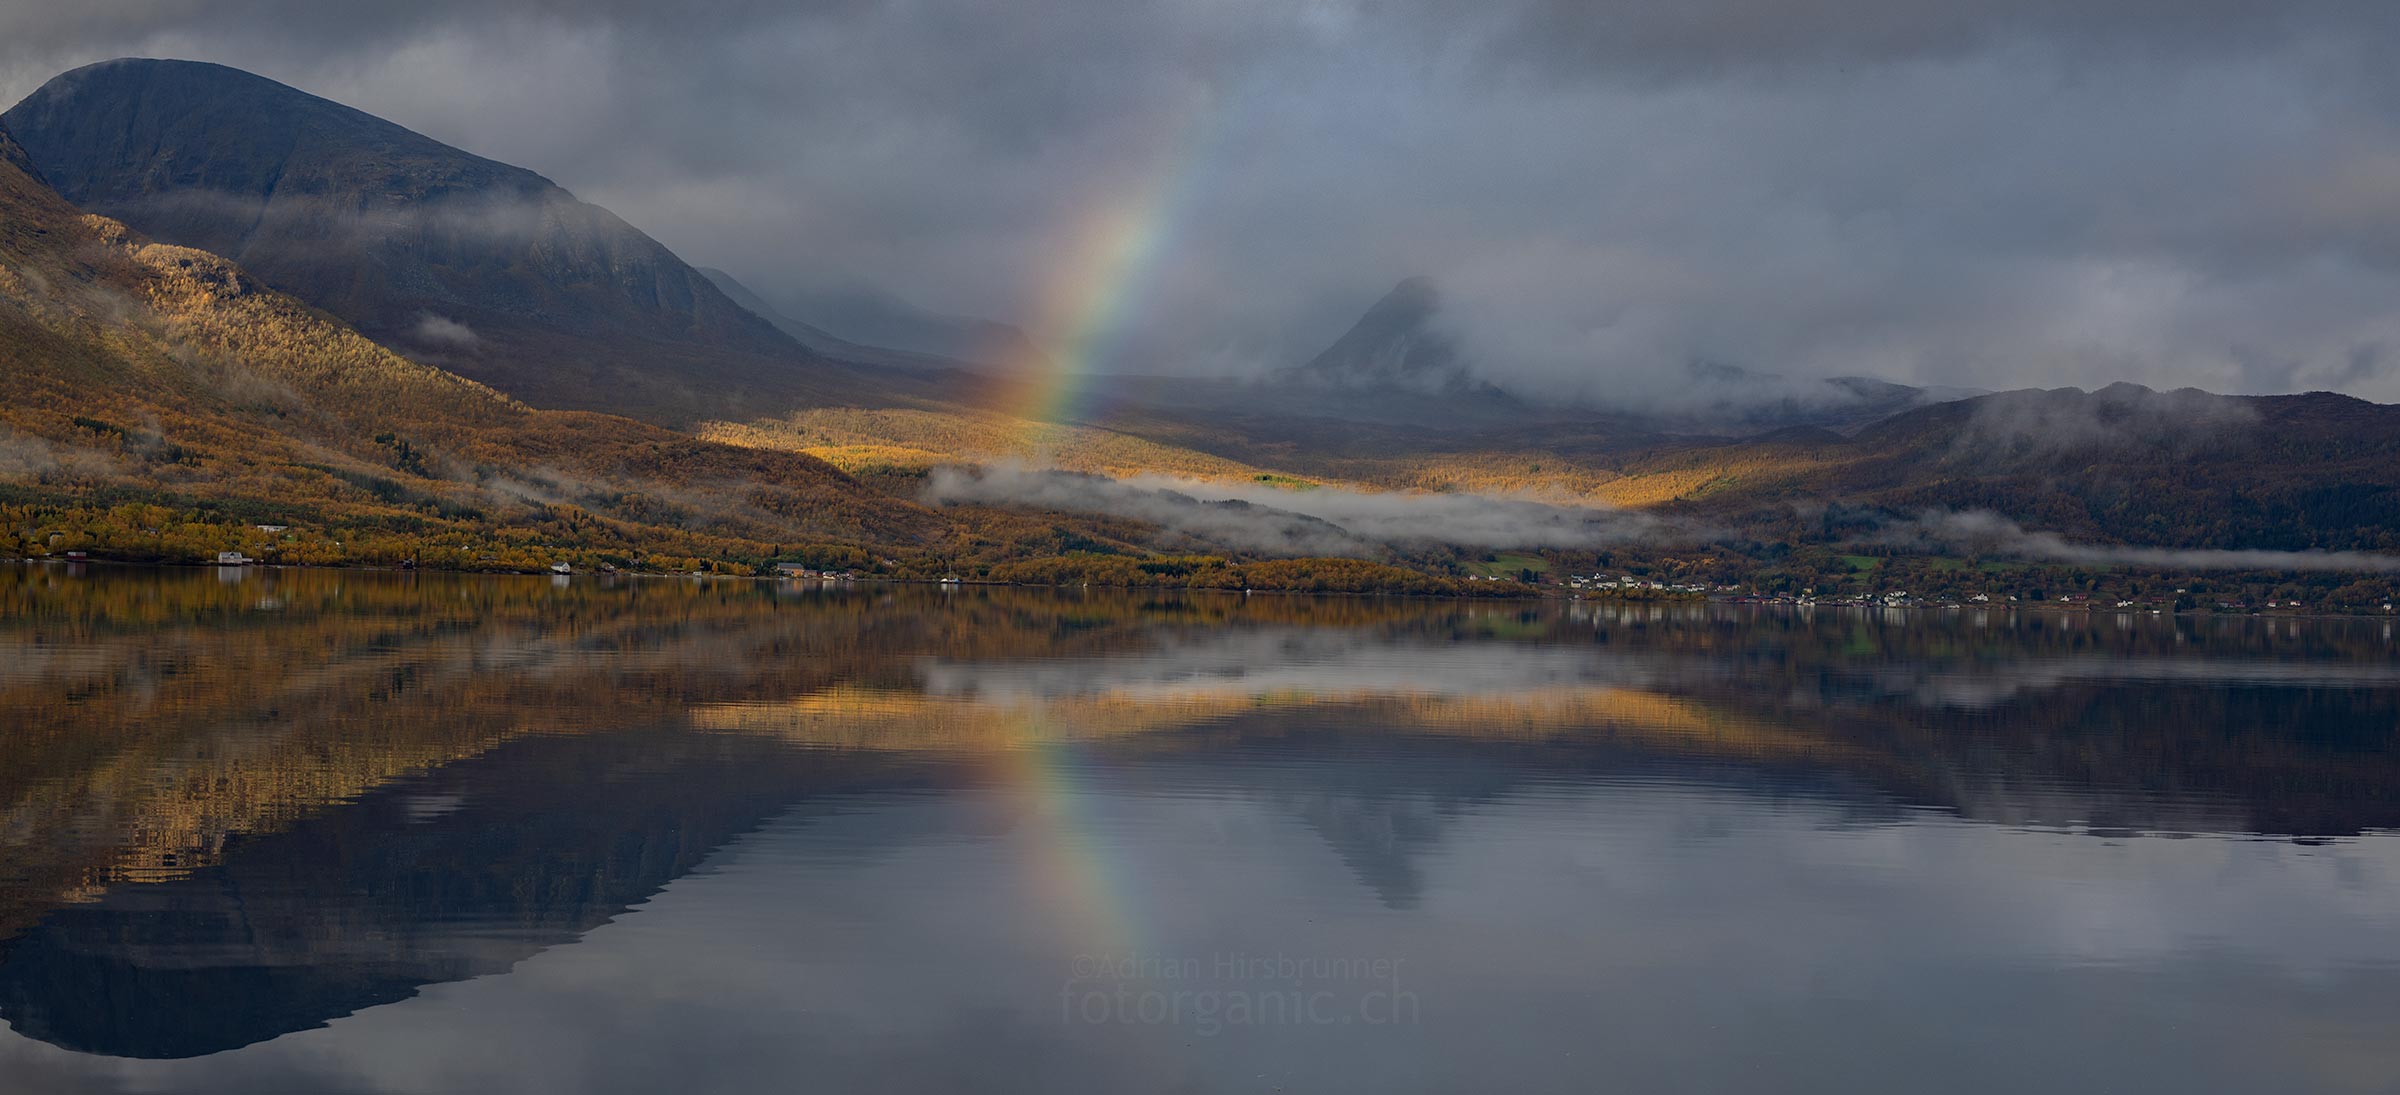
269	831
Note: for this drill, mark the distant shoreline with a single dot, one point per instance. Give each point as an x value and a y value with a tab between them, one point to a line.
1751	601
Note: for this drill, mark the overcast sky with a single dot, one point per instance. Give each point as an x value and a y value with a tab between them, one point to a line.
1989	192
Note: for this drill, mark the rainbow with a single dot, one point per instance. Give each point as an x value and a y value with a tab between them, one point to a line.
1068	857
1097	283
1100	279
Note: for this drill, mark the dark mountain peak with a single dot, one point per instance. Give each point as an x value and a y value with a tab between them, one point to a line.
1406	312
418	244
1416	295
1395	346
135	126
1399	351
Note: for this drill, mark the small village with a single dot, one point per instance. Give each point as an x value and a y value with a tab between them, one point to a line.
2181	600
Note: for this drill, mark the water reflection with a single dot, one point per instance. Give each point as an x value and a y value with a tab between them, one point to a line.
865	833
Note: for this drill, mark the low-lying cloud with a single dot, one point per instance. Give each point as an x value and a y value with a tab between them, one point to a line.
1985	533
1315	662
2117	418
1318	521
445	331
27	457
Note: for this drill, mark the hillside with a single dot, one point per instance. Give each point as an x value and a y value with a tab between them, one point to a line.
2128	464
147	378
872	317
490	270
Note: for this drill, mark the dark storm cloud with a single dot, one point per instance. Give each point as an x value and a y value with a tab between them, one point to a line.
1995	193
1715	36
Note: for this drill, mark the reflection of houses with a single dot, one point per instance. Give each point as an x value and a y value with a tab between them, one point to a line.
1603	581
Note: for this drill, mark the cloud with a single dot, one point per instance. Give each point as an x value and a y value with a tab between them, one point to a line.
24	456
1986	533
1984	193
1703	36
2121	417
1294	662
444	331
1320	521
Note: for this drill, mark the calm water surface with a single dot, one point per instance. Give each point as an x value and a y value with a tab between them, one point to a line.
271	831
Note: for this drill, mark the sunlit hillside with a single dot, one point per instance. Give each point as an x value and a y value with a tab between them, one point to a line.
148	375
911	441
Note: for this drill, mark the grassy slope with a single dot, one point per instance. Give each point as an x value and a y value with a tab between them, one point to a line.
905	442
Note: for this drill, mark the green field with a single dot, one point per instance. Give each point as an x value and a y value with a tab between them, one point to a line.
1509	566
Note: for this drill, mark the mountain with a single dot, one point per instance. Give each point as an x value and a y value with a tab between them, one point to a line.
488	269
887	331
1399	356
1393	346
1396	401
159	395
2125	463
756	305
826	343
877	318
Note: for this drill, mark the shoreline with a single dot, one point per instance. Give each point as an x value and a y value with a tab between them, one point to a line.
1564	597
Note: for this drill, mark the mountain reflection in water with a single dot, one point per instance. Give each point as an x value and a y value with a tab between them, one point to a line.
865	832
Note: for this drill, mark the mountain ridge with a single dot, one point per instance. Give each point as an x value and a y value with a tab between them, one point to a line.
489	269
826	343
145	374
872	317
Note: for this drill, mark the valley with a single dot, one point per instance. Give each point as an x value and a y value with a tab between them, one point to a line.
240	318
